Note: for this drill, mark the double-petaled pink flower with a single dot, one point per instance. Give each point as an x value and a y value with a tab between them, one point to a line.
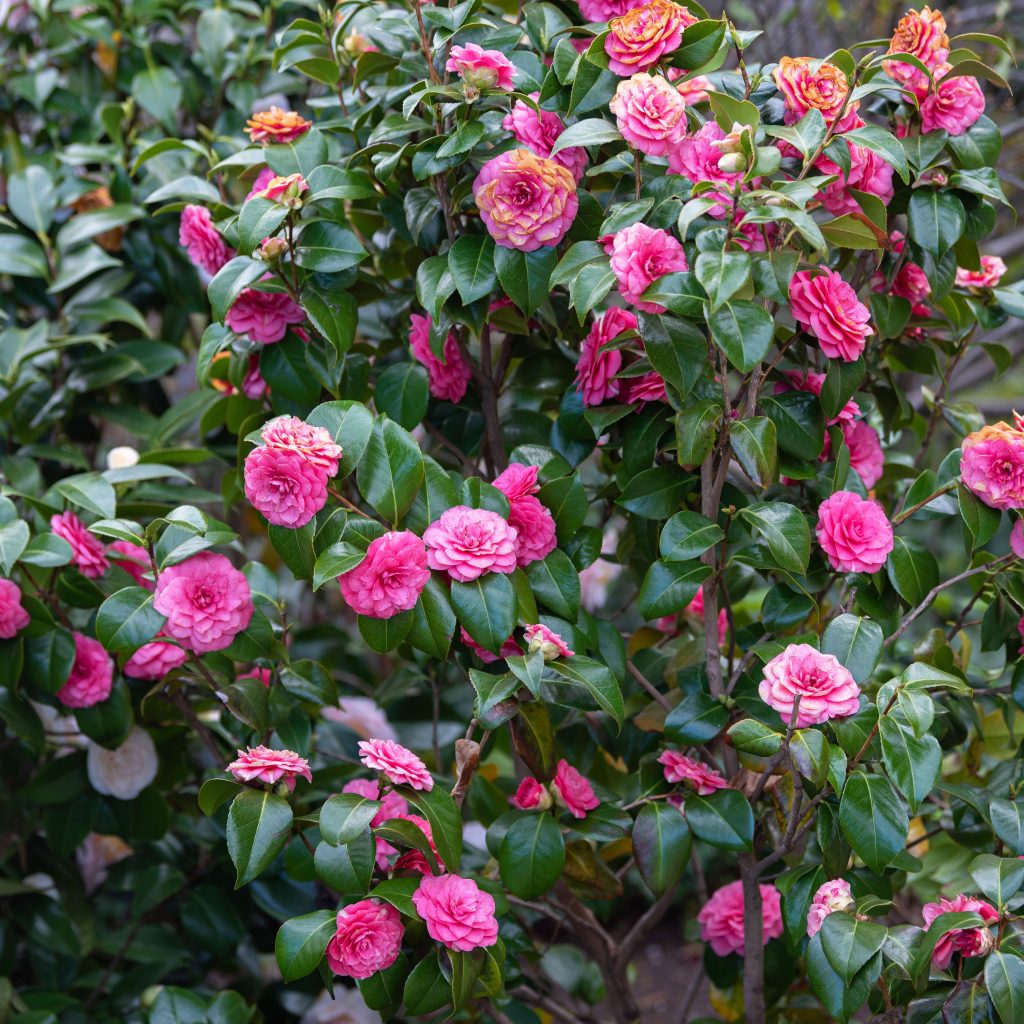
263	316
651	113
276	126
640	255
854	532
955	104
824	687
367	939
468	542
573	791
262	764
969	942
809	84
391	577
283	486
154	660
480	68
827	307
202	241
598	363
992	465
399	764
314	444
680	768
449	376
868	173
922	34
831	896
988	275
721	918
698	156
87	551
538	130
12	616
533	522
92	675
547	641
644	36
456	911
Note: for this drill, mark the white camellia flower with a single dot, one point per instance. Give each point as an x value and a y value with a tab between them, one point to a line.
347	1007
122	457
363	716
125	772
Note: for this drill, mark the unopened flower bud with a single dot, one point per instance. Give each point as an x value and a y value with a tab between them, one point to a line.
732	163
271	249
733	142
356	43
842	901
471	92
122	457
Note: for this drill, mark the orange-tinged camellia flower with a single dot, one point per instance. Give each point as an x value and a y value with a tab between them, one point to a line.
100	199
807	83
923	35
276	125
644	35
992	464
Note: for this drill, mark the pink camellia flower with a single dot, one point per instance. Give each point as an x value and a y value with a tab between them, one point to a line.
812	382
538	130
154	660
398	763
526	201
550	644
87	551
650	113
482	69
597	365
865	446
992	465
92	675
508	649
368	939
868	173
468	542
456	911
392	805
415	861
693	90
531	796
990	274
533	522
648	388
1017	538
825	688
572	791
721	918
265	676
197	234
910	283
970	942
262	180
955	105
810	84
827	307
207	602
286	189
855	533
276	126
831	896
922	34
517	481
133	559
640	38
448	379
264	316
12	616
314	444
604	10
262	764
391	577
640	255
695	612
283	486
679	768
698	158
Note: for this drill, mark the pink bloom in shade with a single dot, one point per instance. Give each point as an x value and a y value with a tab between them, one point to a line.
469	542
954	106
990	274
480	68
992	465
12	616
573	791
854	532
525	201
253	384
679	768
868	173
518	481
262	764
693	90
695	611
206	249
413	860
134	559
604	10
1017	541
640	38
314	444
535	530
154	660
865	446
206	600
508	649
398	763
650	113
393	805
641	255
911	283
831	896
448	379
825	688
390	578
812	382
531	795
549	643
87	551
697	158
538	130
261	675
92	675
264	316
827	307
457	912
970	942
368	939
597	365
283	486
263	179
648	388
721	918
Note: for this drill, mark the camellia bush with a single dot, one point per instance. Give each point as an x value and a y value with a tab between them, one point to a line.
483	487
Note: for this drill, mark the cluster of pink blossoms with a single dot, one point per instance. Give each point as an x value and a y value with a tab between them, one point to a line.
286	476
823	687
569	789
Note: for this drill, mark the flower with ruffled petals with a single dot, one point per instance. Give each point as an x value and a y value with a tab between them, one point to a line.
368	939
824	687
640	256
573	791
865	447
133	559
538	131
1017	538
314	444
597	365
480	68
641	37
262	764
679	768
456	911
286	189
391	577
693	90
650	387
868	173
854	532
721	918
831	896
509	648
650	113
794	380
264	316
92	675
415	861
987	276
827	307
525	201
398	763
125	771
695	612
531	796
810	84
154	660
469	542
283	486
207	602
922	34
955	104
697	157
970	942
448	377
547	641
197	234
992	465
534	524
12	616
276	126
605	10
392	805
87	551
